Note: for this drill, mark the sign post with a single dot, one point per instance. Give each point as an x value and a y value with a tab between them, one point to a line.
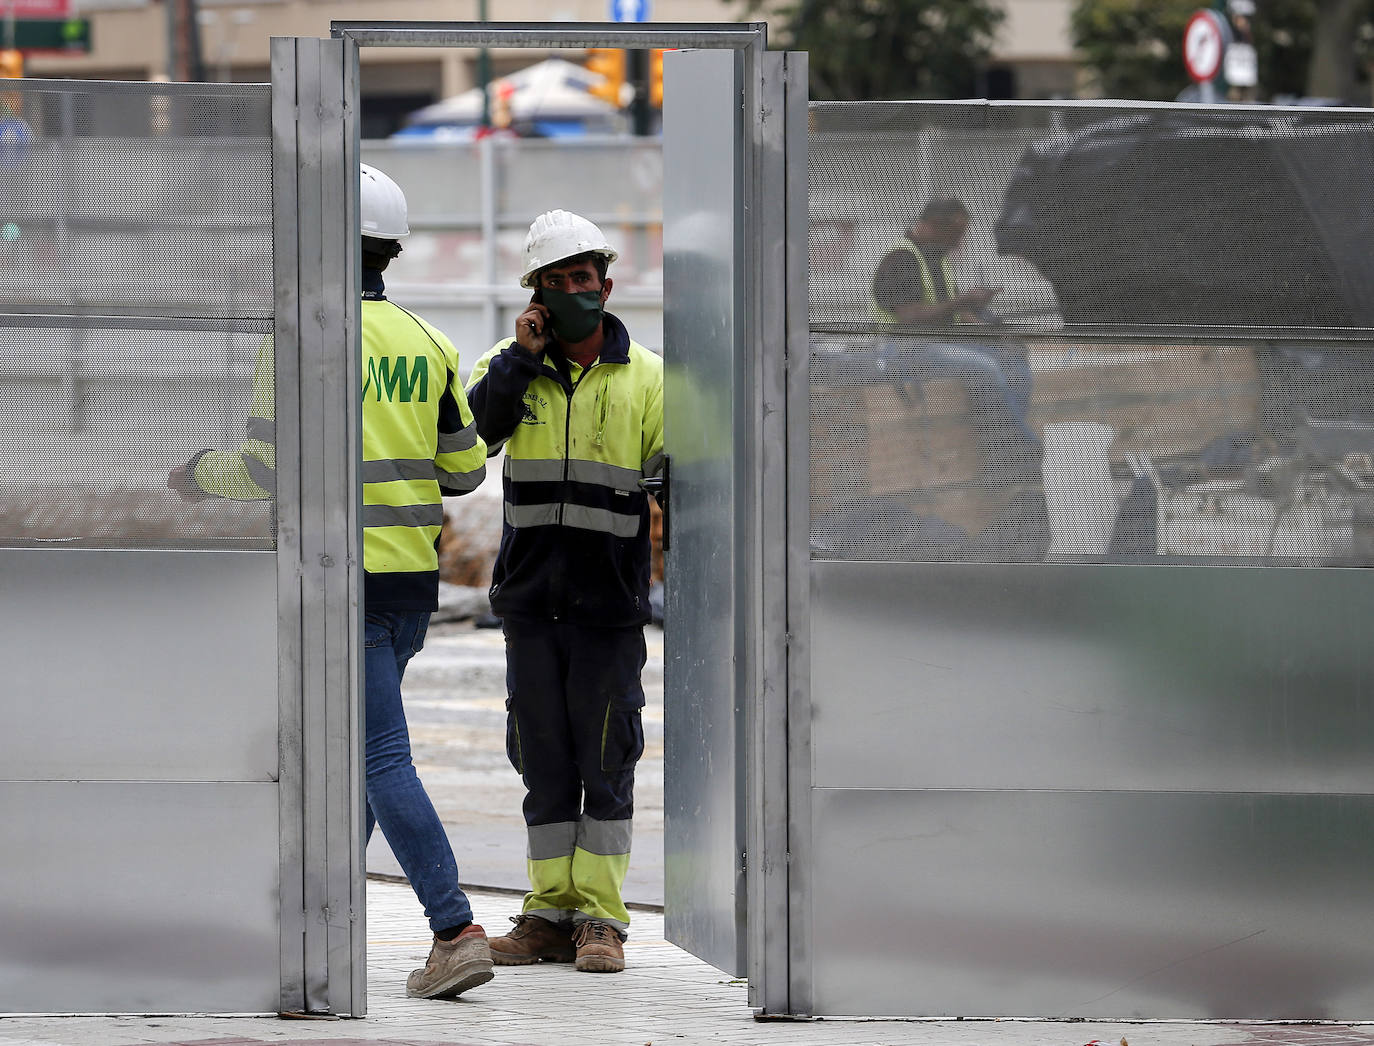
1241	67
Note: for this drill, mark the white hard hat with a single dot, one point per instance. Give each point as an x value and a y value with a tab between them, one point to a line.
556	236
383	205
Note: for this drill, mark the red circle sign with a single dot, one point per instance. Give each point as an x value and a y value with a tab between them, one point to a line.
1204	45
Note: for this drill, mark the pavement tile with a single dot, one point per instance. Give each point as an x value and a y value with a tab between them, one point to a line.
1300	1035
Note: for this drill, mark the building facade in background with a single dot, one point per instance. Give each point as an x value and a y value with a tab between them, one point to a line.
1033	58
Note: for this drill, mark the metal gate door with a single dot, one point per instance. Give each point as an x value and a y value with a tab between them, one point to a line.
734	318
704	323
178	772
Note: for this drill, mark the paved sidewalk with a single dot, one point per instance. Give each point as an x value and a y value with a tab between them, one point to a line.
665	996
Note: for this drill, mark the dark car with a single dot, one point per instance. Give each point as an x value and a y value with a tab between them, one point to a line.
1233	218
1189	224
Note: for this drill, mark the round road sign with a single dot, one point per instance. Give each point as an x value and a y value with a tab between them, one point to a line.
1204	45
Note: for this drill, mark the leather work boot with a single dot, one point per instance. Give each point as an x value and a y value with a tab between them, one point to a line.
453	966
599	948
531	940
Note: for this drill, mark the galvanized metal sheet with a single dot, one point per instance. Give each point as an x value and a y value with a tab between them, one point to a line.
145	898
144	666
1151	677
703	323
1093	904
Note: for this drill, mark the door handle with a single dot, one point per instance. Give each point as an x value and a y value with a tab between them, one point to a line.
658	487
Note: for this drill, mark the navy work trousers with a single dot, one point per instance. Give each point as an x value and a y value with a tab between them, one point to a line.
574	731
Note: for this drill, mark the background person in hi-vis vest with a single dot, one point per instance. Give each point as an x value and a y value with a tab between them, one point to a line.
578	409
915	285
419	442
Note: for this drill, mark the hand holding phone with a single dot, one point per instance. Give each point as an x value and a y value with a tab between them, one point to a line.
530	326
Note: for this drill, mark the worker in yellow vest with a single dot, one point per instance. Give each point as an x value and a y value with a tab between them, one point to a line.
420	442
914	287
915	280
577	407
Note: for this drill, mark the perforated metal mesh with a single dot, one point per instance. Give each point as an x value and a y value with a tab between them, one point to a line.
97	419
1175	363
136	239
138	200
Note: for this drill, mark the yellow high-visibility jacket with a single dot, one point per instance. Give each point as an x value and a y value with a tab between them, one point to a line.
419	443
575	541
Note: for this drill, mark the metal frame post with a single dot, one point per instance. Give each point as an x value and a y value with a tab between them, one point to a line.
319	445
779	755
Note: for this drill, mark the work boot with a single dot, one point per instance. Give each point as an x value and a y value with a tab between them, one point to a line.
453	966
599	947
533	939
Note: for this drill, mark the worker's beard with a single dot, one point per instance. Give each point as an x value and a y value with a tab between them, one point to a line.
575	316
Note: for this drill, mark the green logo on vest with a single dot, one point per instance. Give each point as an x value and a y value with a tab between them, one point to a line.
398	378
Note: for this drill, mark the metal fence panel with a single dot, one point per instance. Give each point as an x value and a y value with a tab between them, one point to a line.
1072	694
137	244
136	234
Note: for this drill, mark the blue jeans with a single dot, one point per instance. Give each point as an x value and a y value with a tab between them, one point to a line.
396	799
997	379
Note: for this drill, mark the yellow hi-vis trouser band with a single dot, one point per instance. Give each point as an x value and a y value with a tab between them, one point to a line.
583	882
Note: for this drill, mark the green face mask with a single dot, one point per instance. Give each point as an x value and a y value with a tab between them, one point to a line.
575	316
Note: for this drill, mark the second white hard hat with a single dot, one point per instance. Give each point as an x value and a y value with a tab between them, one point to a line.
382	204
556	236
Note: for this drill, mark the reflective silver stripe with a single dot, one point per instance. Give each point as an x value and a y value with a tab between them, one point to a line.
608	838
543	470
536	470
262	428
617	523
264	476
547	841
580	516
388	470
599	472
654	466
403	515
463	481
531	515
453	442
557	916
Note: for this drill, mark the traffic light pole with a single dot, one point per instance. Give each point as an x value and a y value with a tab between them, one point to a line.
484	70
637	67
